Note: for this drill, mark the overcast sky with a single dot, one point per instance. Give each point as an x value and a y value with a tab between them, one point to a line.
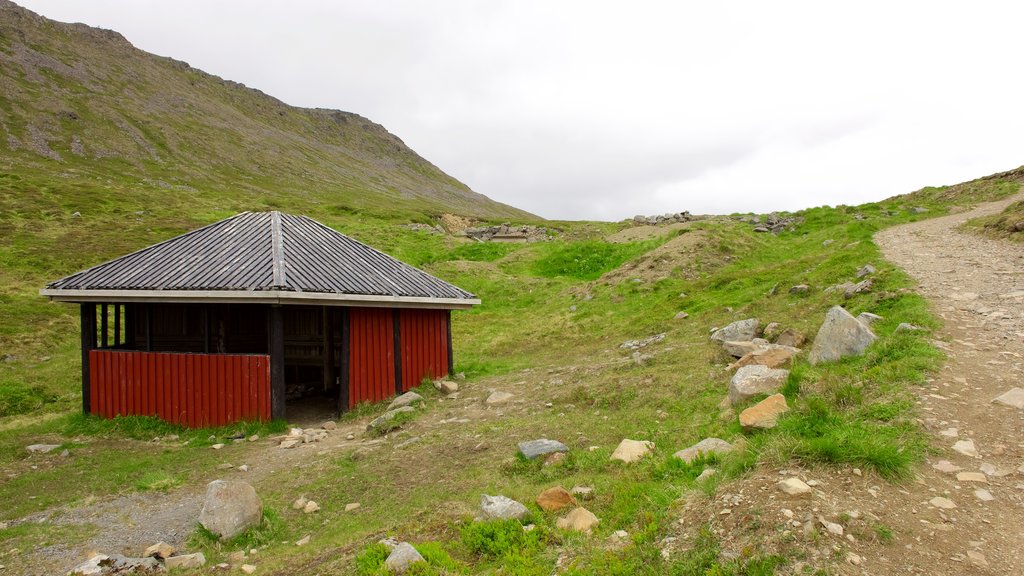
599	110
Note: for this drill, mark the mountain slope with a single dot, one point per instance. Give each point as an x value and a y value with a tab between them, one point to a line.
81	102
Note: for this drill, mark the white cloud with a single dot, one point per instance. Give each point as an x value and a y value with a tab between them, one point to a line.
604	110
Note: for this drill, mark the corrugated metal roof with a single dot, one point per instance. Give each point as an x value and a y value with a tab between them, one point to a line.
258	251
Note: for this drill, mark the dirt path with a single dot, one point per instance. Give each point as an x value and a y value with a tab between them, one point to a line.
976	285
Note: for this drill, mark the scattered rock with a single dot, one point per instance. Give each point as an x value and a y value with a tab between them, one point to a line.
42	448
983	495
446	386
800	289
862	287
943	503
1014	397
971	477
751	380
248	568
771	357
185	561
738	349
217	446
299	503
290	443
498	398
840	335
637	344
832	527
580	520
501	508
407	399
681	316
243	468
254	438
402	557
630	451
867	318
160	550
582	492
116	564
765	414
534	448
865	270
230	508
703	448
977	558
311	507
554	499
555	458
385	421
791	338
330	425
739	331
705	474
794	487
967	448
946	466
351	506
771	331
302	541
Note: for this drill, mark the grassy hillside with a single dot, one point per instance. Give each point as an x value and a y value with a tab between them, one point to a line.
549	331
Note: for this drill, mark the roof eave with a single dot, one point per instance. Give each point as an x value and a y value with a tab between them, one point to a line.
279	297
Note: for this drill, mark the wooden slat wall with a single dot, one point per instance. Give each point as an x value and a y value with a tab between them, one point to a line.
371	355
424	335
195	390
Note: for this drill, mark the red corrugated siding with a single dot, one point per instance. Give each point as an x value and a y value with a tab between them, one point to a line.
424	335
371	355
193	390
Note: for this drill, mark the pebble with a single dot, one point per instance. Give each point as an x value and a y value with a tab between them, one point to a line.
967	448
217	446
946	466
943	503
302	541
352	506
971	477
984	495
248	568
254	437
794	487
243	468
311	507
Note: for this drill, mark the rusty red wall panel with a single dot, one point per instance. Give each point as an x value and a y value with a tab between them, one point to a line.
189	389
424	339
371	355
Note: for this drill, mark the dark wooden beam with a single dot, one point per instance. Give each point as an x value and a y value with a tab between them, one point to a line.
343	393
129	325
117	325
451	356
103	327
88	318
277	379
327	315
397	319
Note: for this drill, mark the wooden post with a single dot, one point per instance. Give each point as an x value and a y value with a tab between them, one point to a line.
117	325
88	318
277	381
451	357
397	319
129	325
343	393
103	327
328	345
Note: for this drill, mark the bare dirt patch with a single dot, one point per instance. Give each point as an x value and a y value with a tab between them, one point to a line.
646	232
678	254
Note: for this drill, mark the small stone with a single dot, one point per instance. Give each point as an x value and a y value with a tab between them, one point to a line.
311	507
407	399
704	475
794	487
853	559
800	289
949	433
703	448
290	443
501	508
385	421
1013	398
865	270
402	557
984	495
185	561
248	568
579	520
967	448
243	468
831	527
765	414
943	503
498	398
971	477
300	503
225	466
946	466
554	499
42	448
351	506
754	379
329	425
302	541
977	558
739	331
446	386
630	451
582	492
535	448
681	316
554	458
254	438
160	550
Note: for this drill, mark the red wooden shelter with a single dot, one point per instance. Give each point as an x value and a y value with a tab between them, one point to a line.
234	320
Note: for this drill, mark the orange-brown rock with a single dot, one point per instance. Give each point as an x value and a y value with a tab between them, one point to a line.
765	414
770	357
555	498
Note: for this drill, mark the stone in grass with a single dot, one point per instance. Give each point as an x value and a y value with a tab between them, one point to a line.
772	357
42	448
535	448
840	335
386	421
185	561
739	331
498	398
407	399
501	508
865	270
630	451
402	557
230	508
749	381
765	414
248	568
579	520
446	386
791	338
311	507
116	564
160	550
703	448
967	448
1014	397
794	487
554	499
583	492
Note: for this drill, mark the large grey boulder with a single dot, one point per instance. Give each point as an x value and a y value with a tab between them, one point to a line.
754	379
407	399
840	335
536	448
402	557
501	508
703	448
738	331
230	508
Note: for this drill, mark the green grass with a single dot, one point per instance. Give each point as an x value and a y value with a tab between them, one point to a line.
1007	224
588	260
